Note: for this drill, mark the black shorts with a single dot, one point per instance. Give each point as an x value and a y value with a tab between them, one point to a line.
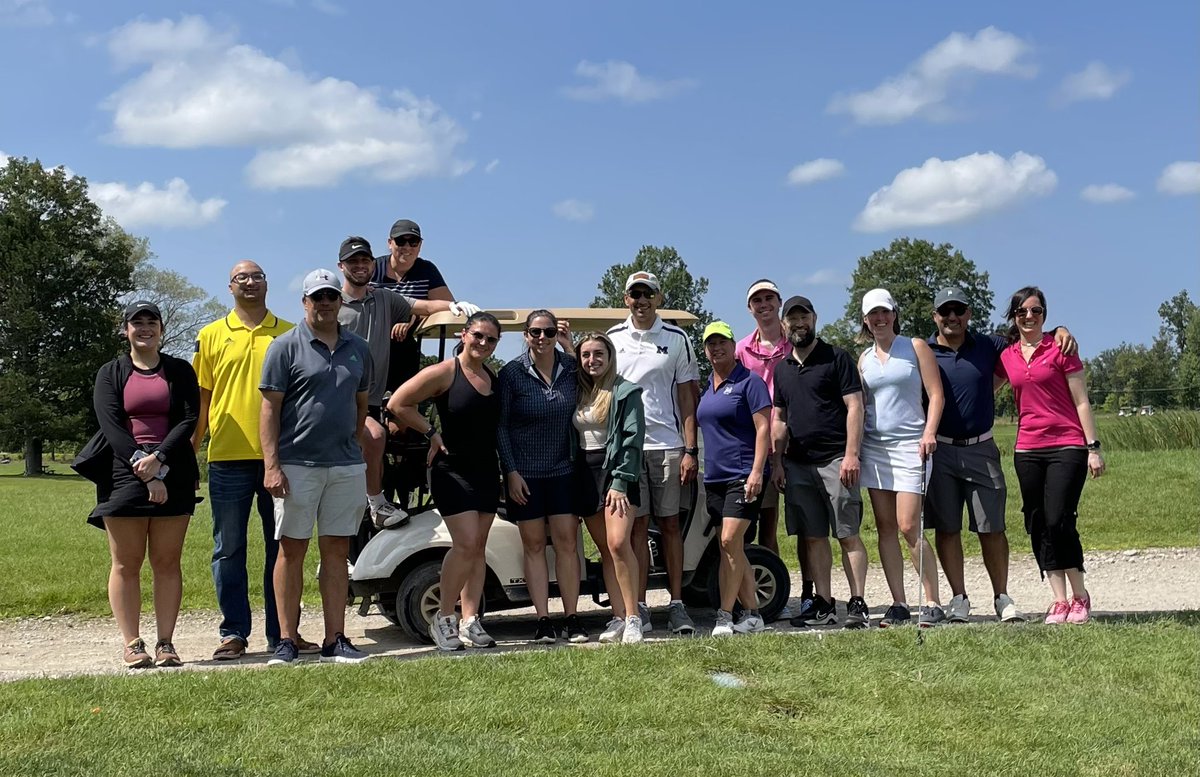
728	500
126	496
592	484
547	497
461	485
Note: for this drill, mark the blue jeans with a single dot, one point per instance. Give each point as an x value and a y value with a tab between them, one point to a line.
232	487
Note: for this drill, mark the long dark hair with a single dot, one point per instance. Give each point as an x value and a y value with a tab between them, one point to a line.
1018	299
483	316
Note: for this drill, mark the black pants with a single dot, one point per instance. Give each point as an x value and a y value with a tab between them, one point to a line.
1051	483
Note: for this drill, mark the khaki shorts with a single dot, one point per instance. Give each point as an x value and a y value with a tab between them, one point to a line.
331	498
659	485
816	502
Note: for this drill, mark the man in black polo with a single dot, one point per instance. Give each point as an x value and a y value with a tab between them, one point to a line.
817	432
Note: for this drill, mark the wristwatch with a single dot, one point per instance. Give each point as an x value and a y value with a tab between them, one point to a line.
429	434
692	451
1094	445
162	457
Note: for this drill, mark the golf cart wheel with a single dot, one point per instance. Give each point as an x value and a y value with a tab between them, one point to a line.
418	600
772	582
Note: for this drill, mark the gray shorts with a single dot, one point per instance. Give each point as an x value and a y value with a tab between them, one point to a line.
659	484
331	498
969	475
817	503
770	495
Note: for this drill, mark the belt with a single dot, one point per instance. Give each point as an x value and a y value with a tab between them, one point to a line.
965	441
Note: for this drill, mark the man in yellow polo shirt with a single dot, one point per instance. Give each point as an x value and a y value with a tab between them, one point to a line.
228	361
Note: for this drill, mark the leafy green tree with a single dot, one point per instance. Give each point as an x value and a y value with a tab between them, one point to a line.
65	269
1133	375
1176	313
681	291
185	307
1187	372
913	271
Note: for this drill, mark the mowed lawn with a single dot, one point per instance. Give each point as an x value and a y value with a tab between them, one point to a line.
1105	699
59	564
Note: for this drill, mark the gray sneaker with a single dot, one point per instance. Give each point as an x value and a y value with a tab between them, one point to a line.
751	624
959	609
471	634
724	626
1006	610
678	620
613	631
388	516
931	616
644	617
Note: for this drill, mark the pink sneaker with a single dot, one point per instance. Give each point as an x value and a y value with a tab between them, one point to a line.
1058	613
1081	609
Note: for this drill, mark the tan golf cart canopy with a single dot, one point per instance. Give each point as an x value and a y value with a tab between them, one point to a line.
513	319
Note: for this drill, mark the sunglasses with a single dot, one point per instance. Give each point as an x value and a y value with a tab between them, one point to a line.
411	240
640	294
481	338
325	295
539	331
246	277
1037	310
952	310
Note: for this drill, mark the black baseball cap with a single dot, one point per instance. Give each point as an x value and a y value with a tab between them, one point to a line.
141	306
797	302
405	227
354	245
950	294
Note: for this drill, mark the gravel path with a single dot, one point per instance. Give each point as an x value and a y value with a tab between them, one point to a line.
1121	582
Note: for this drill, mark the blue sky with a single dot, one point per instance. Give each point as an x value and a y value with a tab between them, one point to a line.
539	143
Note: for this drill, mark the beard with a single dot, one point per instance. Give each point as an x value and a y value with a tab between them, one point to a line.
801	337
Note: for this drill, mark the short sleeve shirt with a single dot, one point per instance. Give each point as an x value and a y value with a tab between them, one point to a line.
228	361
760	359
1046	413
658	359
422	278
811	394
320	408
726	419
372	318
967	384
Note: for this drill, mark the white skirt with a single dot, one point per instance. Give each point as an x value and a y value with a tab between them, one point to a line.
892	466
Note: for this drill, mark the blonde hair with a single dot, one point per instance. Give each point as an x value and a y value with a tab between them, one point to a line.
593	394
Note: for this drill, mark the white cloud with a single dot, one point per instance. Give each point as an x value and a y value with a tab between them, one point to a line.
25	13
815	170
148	205
491	166
923	88
1106	193
944	192
1180	178
201	89
621	81
1094	82
822	277
574	210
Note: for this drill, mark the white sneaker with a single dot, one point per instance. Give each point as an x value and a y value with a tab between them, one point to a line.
1006	610
613	631
386	515
633	630
472	634
444	631
959	609
644	618
724	627
751	624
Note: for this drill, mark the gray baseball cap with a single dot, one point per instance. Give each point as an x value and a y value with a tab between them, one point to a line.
405	227
950	294
320	279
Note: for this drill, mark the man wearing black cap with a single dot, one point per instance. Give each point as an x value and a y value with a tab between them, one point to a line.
817	433
371	314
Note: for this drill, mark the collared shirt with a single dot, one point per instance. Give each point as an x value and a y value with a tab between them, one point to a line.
534	436
811	396
658	359
726	419
967	384
228	361
372	319
320	407
760	359
1046	412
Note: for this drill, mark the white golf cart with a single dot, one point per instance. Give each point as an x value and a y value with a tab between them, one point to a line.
397	570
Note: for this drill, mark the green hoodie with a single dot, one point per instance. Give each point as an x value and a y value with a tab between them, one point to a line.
626	434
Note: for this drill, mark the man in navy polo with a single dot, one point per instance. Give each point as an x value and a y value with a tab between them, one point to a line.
966	466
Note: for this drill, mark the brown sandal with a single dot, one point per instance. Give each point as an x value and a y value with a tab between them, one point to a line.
231	649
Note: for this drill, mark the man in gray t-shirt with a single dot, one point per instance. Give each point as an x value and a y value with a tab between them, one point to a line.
371	313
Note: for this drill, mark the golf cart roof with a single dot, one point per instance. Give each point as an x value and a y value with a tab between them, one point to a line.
582	319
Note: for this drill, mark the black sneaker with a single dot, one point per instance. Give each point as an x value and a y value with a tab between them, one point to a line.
285	653
545	632
896	615
575	631
824	613
857	614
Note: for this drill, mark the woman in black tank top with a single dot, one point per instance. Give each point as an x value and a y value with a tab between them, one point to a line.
465	476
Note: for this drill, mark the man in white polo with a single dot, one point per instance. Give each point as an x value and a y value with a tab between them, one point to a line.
659	358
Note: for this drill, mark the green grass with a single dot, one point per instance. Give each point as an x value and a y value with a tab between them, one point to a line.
989	700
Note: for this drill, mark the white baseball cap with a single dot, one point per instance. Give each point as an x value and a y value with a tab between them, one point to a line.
877	298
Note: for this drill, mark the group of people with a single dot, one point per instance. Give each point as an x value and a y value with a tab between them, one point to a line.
602	428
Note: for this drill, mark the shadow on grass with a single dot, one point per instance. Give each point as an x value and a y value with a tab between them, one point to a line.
1182	617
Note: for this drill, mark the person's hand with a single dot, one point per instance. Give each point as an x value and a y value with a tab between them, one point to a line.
393	427
400	331
927	446
777	476
463	308
275	482
158	491
147	468
687	469
518	490
564	335
1065	342
436	446
754	486
617	503
1095	464
849	471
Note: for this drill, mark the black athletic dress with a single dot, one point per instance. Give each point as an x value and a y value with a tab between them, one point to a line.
468	478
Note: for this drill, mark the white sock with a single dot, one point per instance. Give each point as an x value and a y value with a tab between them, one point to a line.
377	500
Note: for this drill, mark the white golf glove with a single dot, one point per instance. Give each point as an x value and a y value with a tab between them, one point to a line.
463	308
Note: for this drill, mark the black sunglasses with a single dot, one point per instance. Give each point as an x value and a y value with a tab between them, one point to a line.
542	331
246	277
955	309
411	240
640	294
480	337
1037	310
325	295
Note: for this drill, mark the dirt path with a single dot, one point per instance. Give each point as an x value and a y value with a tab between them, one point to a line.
1159	580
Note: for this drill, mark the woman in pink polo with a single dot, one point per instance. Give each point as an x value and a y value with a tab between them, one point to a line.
1056	448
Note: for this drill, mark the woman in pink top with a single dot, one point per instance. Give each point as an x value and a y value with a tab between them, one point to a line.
1056	448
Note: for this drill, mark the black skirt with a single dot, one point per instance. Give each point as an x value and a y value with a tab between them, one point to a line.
126	496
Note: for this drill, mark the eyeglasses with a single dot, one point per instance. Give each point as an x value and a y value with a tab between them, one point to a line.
640	294
411	240
325	295
1036	310
246	277
481	338
539	331
952	310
